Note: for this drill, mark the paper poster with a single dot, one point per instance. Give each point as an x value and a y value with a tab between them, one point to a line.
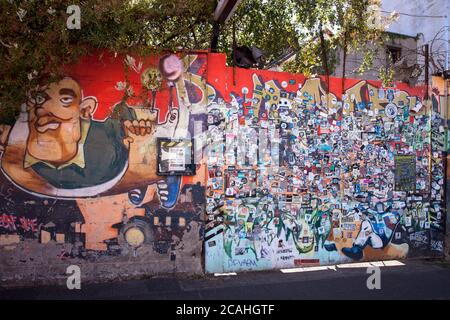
176	159
405	173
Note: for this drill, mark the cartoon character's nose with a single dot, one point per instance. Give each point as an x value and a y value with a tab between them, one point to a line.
40	111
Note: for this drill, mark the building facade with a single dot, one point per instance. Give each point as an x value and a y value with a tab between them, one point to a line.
418	23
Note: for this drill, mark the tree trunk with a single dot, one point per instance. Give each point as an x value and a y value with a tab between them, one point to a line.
324	54
344	60
325	63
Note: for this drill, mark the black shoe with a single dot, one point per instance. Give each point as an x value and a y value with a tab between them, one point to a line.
330	247
355	252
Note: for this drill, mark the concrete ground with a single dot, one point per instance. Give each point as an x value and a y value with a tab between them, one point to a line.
417	279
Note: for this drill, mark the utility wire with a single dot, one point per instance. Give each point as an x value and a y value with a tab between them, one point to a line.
413	15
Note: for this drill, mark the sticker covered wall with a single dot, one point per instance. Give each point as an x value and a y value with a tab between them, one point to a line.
305	172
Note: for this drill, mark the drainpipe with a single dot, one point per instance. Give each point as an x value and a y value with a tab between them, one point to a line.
445	185
446	36
427	68
446	164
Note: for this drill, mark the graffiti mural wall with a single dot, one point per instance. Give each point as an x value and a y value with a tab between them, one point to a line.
81	182
307	172
170	160
442	96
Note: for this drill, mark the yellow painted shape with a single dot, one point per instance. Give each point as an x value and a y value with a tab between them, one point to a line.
134	237
45	236
60	238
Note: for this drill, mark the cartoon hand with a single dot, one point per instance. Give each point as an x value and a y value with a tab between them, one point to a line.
4	131
140	135
168	128
137	131
141	142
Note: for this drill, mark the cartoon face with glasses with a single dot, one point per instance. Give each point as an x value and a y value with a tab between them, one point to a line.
56	115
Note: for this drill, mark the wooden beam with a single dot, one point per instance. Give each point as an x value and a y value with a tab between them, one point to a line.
225	10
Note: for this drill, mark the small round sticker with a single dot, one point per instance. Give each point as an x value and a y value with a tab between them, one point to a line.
391	110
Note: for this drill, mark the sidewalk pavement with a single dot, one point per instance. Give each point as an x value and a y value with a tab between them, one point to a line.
416	279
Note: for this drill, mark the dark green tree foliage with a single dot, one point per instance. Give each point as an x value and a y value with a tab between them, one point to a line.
35	43
268	25
351	25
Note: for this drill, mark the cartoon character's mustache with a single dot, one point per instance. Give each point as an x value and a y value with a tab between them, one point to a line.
48	122
42	121
48	126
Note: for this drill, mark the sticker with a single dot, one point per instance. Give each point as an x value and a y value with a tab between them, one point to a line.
407	221
417	107
211	244
321	230
391	110
176	159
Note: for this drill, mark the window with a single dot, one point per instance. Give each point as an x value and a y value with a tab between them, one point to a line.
393	54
